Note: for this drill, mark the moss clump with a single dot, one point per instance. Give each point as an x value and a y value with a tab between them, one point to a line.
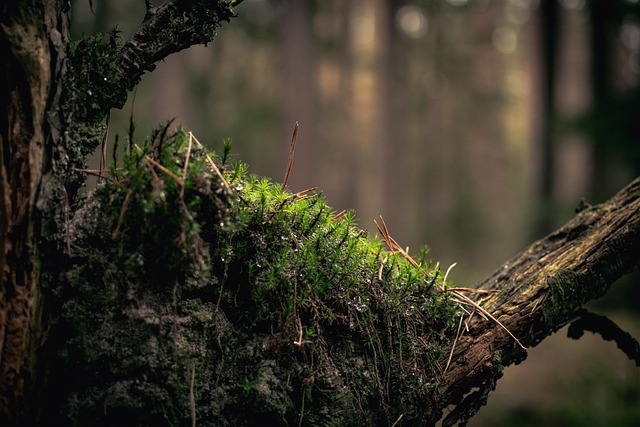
92	75
86	95
239	301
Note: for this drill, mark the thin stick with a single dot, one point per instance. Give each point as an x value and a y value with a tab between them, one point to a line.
292	147
192	395
404	253
215	168
392	244
468	301
308	190
453	347
397	421
186	164
175	177
304	194
339	215
384	232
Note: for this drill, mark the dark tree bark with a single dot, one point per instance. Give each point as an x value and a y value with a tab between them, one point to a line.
54	101
549	24
29	77
48	124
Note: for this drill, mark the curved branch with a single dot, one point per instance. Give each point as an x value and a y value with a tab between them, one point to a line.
102	73
540	291
599	324
166	29
106	72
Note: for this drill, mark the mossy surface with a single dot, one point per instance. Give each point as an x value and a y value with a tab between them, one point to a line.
238	303
83	99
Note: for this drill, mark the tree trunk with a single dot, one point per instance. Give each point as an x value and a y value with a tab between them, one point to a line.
548	26
29	79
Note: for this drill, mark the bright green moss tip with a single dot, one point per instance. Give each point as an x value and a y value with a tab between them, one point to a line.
326	256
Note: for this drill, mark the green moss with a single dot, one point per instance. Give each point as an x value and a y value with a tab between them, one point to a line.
92	75
567	292
284	310
87	94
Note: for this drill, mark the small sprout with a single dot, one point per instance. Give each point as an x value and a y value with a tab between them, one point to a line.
226	150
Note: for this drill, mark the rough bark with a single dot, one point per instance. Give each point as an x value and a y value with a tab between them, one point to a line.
540	291
25	93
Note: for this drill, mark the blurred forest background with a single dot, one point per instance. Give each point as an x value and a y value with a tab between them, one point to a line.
472	126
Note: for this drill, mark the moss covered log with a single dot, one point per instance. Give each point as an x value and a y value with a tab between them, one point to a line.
196	291
232	302
186	291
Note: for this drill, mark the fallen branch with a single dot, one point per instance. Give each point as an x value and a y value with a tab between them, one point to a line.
540	290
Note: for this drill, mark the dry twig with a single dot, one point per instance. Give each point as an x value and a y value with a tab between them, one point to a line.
292	147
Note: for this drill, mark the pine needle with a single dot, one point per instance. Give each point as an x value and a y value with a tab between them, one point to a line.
444	281
186	164
172	175
292	147
453	347
215	168
456	292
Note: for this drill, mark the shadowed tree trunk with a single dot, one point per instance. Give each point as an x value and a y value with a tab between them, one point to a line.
169	296
31	33
40	145
549	17
601	16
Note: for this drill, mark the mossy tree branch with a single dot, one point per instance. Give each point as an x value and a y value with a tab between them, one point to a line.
540	291
166	29
102	72
343	324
